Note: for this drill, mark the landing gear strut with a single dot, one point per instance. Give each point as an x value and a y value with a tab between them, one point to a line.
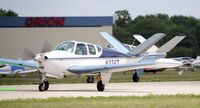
43	86
90	79
135	77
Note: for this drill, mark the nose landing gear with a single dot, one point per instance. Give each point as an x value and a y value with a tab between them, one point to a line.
44	85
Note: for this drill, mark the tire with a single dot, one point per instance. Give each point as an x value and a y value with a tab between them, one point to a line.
100	86
135	78
41	87
46	85
90	79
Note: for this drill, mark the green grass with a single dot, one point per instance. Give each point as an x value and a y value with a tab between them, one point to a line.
151	101
168	75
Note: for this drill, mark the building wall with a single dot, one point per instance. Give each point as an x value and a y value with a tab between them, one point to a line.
13	40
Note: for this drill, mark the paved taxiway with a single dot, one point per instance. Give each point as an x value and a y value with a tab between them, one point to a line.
112	89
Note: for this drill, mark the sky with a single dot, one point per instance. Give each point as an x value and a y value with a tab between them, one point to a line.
101	7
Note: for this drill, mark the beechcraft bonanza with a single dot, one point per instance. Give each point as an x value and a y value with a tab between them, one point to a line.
77	58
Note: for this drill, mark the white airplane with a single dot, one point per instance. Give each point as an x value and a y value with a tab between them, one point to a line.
74	57
153	52
7	69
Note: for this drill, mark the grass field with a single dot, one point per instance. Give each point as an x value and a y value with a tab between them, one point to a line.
151	101
168	75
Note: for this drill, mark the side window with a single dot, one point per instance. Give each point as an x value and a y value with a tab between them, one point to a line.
81	49
99	49
92	50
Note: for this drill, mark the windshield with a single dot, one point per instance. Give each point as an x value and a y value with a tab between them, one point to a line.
66	46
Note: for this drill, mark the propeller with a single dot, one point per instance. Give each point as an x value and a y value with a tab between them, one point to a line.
28	54
46	47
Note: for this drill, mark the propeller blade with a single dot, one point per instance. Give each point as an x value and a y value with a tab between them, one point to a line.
27	54
46	47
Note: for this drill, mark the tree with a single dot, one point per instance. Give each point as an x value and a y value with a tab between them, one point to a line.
161	23
122	18
7	13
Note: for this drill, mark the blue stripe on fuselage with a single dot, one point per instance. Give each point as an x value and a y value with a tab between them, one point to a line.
13	68
112	53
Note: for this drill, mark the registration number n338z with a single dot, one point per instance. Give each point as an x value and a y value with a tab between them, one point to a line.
112	61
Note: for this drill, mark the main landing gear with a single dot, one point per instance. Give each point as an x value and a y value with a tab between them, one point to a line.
135	77
100	85
90	79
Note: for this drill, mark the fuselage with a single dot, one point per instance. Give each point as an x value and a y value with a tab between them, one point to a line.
73	53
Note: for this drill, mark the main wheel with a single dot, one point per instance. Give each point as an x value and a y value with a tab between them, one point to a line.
90	79
46	85
135	78
41	87
100	86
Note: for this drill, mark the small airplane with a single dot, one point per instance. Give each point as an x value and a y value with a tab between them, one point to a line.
189	64
153	52
7	69
81	58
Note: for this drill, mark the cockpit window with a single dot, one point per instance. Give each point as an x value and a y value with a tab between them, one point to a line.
81	49
92	50
67	46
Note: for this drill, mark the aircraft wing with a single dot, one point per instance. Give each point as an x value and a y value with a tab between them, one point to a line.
111	67
9	72
25	63
5	72
170	44
114	42
27	71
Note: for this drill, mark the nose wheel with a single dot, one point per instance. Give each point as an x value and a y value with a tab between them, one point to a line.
43	86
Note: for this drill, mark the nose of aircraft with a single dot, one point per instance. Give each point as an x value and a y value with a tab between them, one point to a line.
168	63
40	57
